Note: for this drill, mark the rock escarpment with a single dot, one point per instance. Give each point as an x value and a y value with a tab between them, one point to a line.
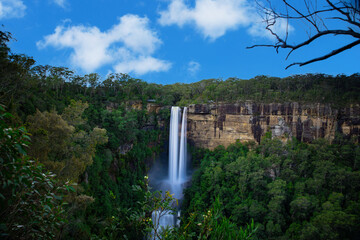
211	125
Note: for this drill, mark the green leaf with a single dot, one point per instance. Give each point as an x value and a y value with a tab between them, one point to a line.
70	188
20	149
58	197
47	208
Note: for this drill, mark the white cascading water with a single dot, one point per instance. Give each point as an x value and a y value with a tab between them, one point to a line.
166	219
174	144
183	149
177	157
177	163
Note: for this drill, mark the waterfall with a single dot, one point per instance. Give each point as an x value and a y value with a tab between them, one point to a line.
183	148
174	144
177	166
162	218
177	158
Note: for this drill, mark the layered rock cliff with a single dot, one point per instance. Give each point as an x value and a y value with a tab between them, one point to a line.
211	125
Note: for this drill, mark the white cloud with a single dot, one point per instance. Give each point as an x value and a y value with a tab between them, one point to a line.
142	65
128	46
193	67
60	3
12	9
177	13
213	18
90	45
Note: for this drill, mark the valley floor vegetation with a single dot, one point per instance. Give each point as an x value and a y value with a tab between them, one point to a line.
75	150
291	191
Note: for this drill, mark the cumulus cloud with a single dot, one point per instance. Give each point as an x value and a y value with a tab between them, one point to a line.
128	46
193	67
213	18
12	9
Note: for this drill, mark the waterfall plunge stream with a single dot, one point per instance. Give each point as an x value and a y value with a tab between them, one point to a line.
177	158
177	164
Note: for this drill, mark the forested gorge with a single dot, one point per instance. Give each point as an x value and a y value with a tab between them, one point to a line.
75	152
293	191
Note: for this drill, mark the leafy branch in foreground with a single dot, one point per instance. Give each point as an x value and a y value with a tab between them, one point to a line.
137	222
211	224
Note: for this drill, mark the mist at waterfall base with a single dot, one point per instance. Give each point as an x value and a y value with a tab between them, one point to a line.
170	171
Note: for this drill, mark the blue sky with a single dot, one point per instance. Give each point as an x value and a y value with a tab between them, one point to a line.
162	41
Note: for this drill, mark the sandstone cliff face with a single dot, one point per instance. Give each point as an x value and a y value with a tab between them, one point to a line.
210	125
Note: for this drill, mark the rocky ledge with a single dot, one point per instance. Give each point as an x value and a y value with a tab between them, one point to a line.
211	125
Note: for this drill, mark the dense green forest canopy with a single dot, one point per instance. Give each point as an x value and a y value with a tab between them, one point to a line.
292	191
76	170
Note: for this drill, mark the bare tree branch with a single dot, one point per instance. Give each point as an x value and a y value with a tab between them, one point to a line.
332	53
344	11
347	14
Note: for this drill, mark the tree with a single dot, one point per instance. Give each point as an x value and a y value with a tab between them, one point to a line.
323	18
31	201
14	71
59	143
73	113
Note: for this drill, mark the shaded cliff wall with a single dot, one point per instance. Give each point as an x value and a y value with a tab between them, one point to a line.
210	125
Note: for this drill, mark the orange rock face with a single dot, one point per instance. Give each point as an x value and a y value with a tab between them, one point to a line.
211	125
